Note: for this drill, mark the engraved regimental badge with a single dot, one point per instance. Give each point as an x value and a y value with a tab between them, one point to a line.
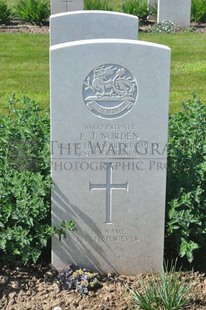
110	91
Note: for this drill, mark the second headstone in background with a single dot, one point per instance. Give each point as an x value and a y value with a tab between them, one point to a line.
60	6
152	3
84	25
177	11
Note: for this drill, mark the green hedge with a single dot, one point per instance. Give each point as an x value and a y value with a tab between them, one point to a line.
186	184
25	185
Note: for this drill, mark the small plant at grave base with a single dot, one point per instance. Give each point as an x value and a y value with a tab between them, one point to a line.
198	11
162	291
32	11
166	26
138	8
80	280
5	13
25	185
186	184
97	5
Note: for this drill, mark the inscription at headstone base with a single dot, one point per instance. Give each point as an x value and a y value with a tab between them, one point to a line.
109	111
176	11
60	6
84	25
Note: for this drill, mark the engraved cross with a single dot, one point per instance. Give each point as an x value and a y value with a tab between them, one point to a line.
67	4
108	186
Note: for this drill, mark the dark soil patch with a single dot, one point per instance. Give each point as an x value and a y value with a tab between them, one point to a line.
37	288
17	27
24	28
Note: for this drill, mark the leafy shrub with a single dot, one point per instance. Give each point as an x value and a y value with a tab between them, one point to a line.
33	11
165	26
198	11
97	5
25	183
80	280
138	8
186	184
5	13
165	291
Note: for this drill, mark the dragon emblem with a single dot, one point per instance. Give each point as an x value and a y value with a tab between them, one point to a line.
110	91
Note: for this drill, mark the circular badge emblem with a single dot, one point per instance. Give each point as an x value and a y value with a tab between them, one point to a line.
110	91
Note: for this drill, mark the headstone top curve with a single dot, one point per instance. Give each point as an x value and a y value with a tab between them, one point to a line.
88	12
65	27
109	41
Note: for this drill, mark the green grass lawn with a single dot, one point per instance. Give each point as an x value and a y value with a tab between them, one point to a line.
188	64
24	66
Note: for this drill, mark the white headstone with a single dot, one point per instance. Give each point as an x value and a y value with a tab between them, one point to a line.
60	6
109	110
84	25
177	11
